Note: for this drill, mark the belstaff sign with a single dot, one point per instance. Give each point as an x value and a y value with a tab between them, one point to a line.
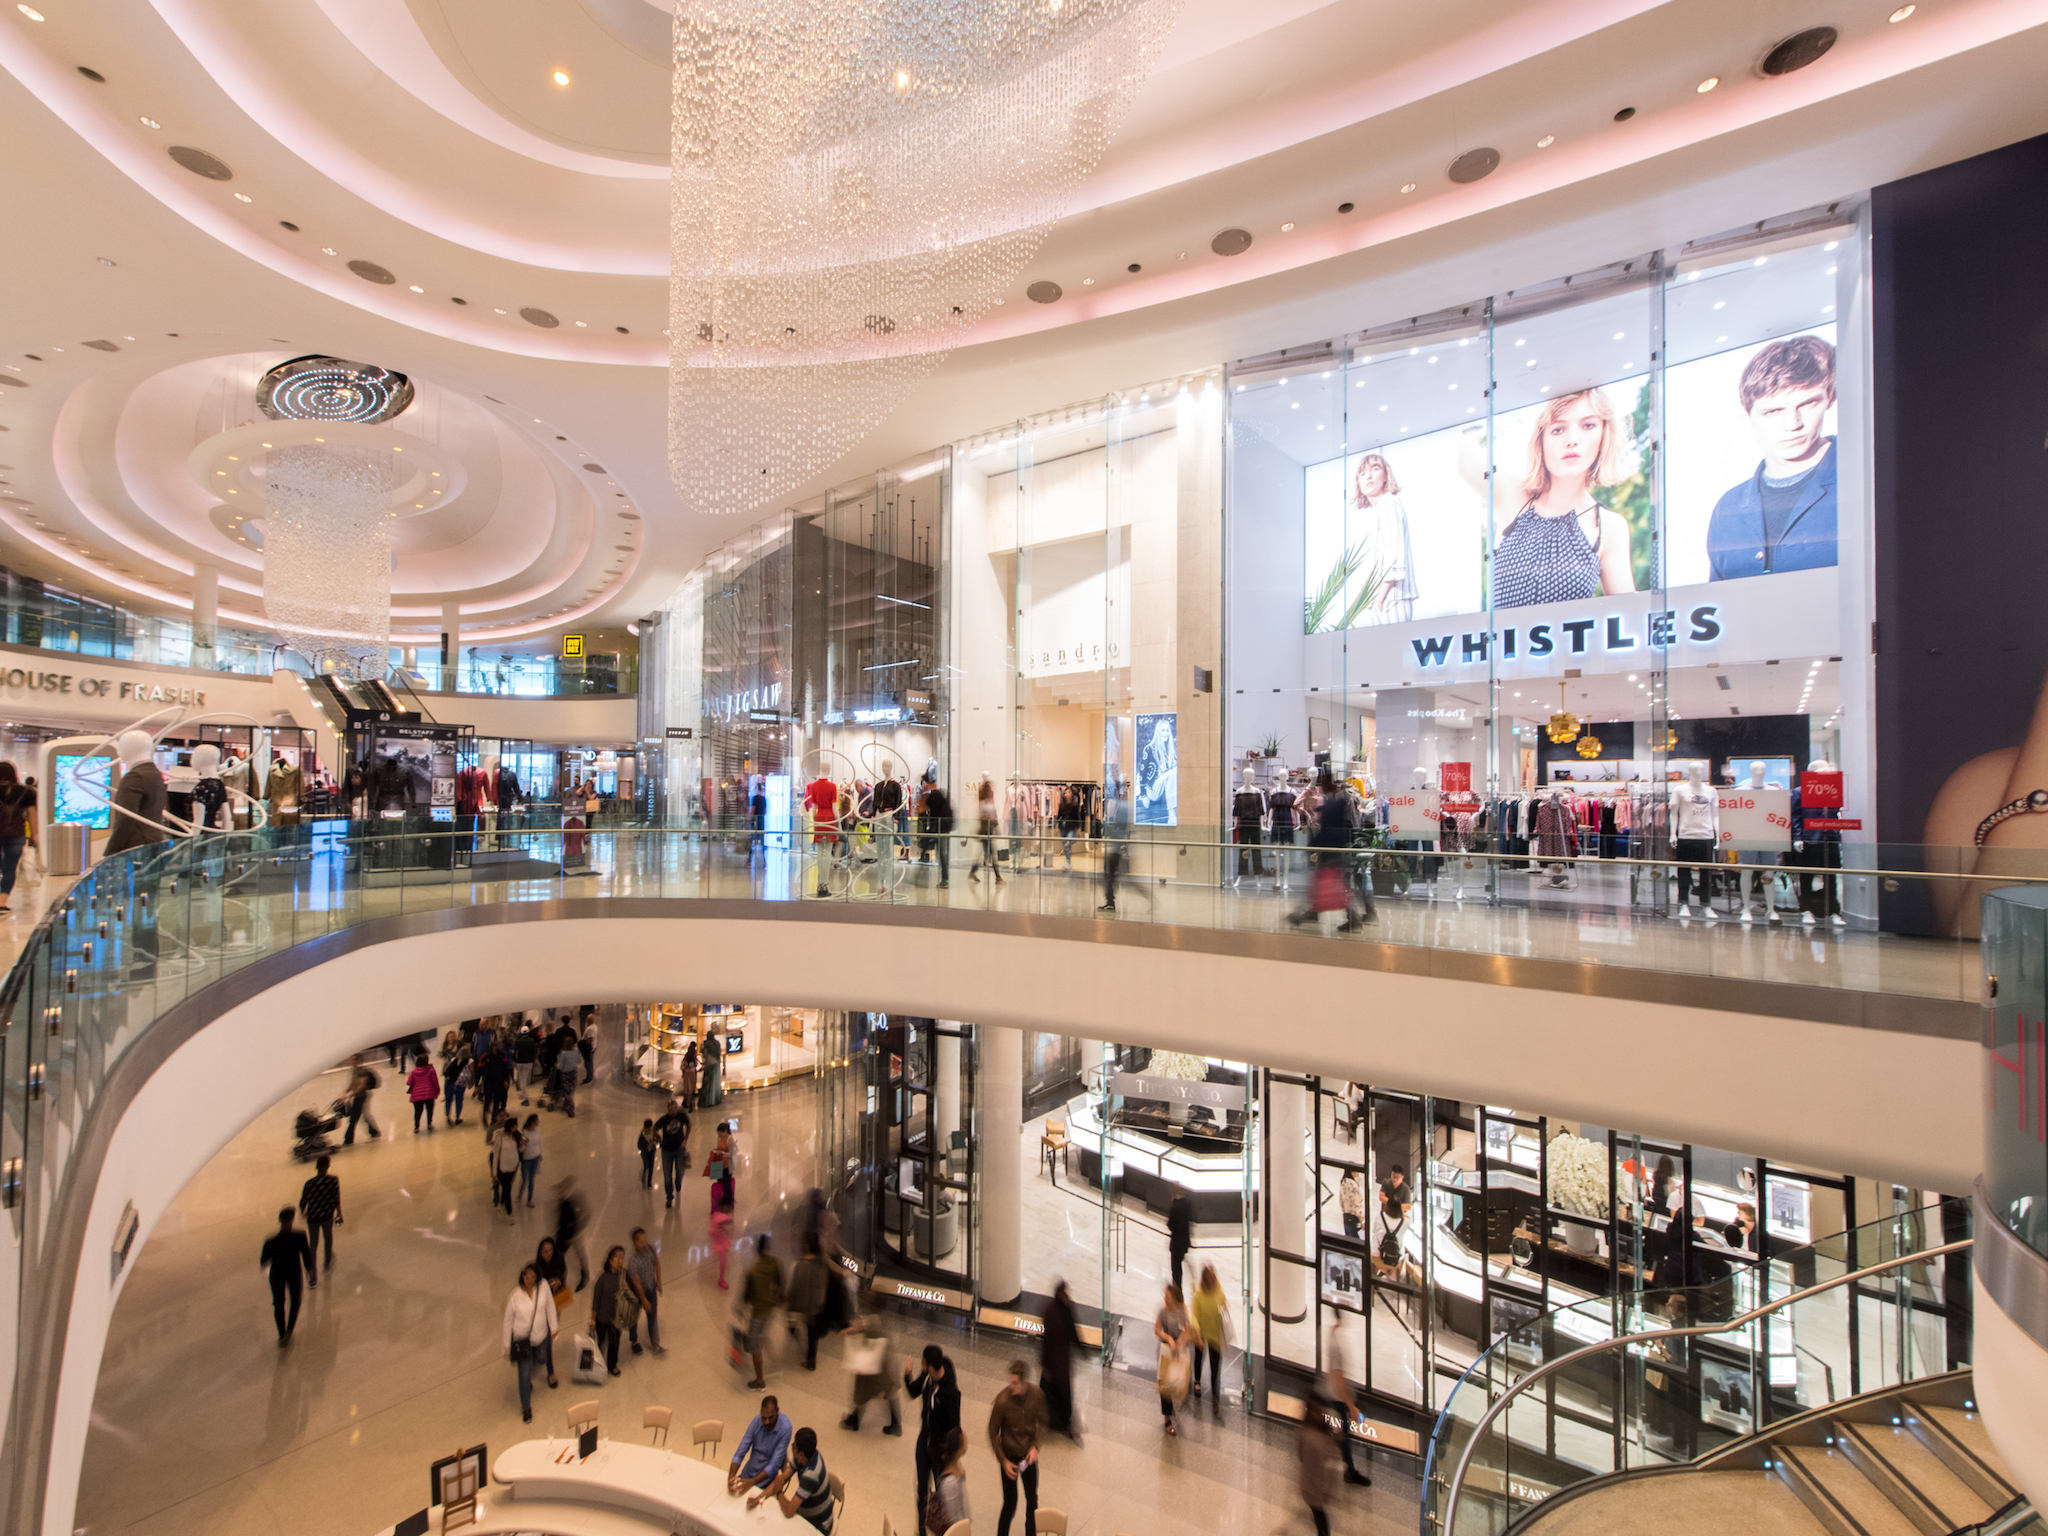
22	680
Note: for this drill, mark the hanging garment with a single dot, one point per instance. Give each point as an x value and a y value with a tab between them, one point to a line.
1553	829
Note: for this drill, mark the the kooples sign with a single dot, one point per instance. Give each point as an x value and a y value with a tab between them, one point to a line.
1572	637
22	680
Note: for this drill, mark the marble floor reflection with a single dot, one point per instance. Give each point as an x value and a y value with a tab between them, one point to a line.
202	1424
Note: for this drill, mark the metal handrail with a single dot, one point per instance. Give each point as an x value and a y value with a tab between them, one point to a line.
1622	1341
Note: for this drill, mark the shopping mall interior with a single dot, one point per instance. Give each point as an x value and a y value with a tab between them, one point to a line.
1237	718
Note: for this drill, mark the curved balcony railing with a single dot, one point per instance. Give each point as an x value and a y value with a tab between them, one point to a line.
139	934
1660	1378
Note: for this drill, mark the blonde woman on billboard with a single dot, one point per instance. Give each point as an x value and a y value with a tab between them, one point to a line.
1382	535
1564	545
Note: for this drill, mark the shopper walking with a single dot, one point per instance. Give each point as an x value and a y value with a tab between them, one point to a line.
17	826
362	1083
289	1258
529	1156
721	1231
649	1144
1056	1363
554	1271
320	1203
1170	1328
1317	1468
604	1306
868	1358
586	1047
937	1390
494	1082
1333	1393
762	1449
718	1168
673	1132
643	1276
505	1162
530	1335
985	815
569	1229
1116	839
1180	1235
456	1077
810	1292
938	814
423	1087
1210	1314
762	1294
1015	1424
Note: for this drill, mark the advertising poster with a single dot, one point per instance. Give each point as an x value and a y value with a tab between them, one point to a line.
1397	533
1158	786
84	790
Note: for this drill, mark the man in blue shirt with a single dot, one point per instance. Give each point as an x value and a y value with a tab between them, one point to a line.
762	1450
1782	518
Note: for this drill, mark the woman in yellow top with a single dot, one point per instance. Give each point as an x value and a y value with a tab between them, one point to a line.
1208	1313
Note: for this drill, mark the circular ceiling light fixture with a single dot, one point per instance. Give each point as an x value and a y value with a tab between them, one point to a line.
1473	165
1407	187
1799	50
243	197
1231	242
200	163
1546	141
149	122
560	77
370	272
1902	13
1043	292
321	388
1345	207
1707	85
30	12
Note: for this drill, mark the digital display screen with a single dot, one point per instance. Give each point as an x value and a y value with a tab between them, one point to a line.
75	804
734	1044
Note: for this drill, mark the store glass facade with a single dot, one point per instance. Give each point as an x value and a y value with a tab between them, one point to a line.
1567	572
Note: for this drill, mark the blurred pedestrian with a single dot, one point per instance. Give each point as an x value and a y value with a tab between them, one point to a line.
721	1232
1180	1235
289	1258
320	1201
985	816
868	1357
494	1082
1333	1391
586	1047
362	1083
1317	1477
604	1306
643	1274
762	1295
1056	1363
529	1156
949	1493
810	1293
505	1162
937	1390
569	1228
1116	839
1014	1426
530	1334
718	1166
423	1087
1209	1314
1170	1328
649	1144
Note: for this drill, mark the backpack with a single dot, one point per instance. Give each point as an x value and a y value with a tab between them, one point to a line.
1390	1246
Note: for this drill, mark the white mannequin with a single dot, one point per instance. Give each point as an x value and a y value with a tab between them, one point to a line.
1756	882
134	747
1694	816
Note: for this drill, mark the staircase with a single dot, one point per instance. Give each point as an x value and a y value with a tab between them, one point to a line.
1912	1460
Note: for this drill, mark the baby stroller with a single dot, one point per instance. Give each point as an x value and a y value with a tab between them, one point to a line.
311	1128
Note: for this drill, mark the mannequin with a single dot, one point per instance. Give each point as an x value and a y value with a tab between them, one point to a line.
888	813
1695	832
821	800
139	802
1248	815
1818	849
234	773
209	794
282	788
1755	881
1286	831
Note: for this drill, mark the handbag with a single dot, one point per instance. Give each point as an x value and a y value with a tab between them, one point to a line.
935	1512
563	1296
522	1351
626	1315
1173	1374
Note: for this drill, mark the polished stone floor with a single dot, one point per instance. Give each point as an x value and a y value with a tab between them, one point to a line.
202	1424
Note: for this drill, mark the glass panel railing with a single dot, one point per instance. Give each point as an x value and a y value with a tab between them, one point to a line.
1666	1402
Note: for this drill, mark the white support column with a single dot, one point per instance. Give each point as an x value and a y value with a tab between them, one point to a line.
1287	1224
1001	1102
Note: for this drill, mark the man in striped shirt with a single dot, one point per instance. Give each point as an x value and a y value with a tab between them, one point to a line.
320	1200
804	1486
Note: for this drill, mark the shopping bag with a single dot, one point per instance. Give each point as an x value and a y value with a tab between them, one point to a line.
1174	1374
1326	893
588	1361
30	870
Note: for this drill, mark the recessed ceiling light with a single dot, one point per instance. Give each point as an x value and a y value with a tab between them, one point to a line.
1408	187
108	261
1287	228
243	197
497	311
1903	12
561	77
30	12
1720	303
327	250
1624	114
415	287
582	325
1707	84
1087	282
1546	141
149	122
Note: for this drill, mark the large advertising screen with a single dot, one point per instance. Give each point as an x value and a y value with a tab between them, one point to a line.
1398	532
85	790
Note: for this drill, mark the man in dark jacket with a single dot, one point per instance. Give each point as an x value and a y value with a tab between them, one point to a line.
673	1131
1180	1229
1056	1363
289	1258
938	811
937	1389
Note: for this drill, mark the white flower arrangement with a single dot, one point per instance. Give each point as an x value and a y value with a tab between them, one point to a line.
1578	1175
1179	1065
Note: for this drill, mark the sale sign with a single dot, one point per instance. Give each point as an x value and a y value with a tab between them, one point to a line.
1412	814
1455	778
1755	818
1820	790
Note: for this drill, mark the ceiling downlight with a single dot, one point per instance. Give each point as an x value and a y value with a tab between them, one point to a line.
1799	50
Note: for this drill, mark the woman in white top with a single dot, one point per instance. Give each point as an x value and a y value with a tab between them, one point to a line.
505	1163
1380	527
530	1334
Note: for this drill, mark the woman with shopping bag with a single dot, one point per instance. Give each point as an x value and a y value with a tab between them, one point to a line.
1170	1328
17	827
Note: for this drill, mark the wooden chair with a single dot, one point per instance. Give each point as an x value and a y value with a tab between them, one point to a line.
582	1416
1051	1522
709	1432
656	1419
838	1495
1052	1145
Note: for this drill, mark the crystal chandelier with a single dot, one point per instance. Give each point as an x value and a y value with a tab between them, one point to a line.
327	556
327	529
854	186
